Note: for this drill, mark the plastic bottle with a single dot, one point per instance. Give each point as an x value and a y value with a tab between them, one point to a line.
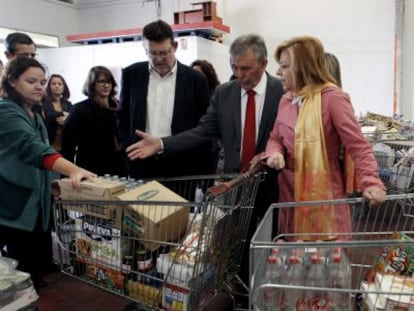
198	198
339	276
295	298
271	298
317	300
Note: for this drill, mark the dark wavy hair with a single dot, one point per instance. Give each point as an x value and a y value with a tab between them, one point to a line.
13	70
91	80
49	94
209	71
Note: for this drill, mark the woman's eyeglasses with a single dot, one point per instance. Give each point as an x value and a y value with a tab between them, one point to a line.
103	82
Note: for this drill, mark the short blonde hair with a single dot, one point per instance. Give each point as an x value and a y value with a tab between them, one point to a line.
308	61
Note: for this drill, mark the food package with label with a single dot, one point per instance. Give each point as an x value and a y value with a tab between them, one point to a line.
395	291
396	259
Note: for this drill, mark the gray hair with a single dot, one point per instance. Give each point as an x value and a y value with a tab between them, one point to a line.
245	42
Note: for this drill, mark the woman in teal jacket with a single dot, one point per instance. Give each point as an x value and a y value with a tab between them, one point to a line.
26	161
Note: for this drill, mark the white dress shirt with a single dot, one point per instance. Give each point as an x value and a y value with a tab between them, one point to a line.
160	102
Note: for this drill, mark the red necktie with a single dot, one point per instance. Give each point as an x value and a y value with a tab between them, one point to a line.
249	133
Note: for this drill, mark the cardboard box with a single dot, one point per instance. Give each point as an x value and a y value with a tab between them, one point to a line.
178	298
154	223
397	291
99	189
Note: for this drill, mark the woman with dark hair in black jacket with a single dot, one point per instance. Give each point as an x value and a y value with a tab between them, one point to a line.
57	107
90	136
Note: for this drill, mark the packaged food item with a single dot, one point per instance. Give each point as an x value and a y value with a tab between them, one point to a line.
396	259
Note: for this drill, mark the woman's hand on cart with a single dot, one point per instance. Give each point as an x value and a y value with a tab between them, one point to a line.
375	195
275	160
146	147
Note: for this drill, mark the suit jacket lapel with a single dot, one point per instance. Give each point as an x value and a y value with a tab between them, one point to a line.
234	103
179	98
267	113
140	87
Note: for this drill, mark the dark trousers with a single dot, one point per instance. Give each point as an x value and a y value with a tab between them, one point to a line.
27	247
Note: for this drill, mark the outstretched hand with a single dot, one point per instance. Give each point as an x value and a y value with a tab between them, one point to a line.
146	147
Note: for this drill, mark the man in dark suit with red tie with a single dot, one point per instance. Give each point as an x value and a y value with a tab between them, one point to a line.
226	119
164	97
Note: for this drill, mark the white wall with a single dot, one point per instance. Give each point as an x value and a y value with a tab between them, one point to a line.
77	60
359	32
43	16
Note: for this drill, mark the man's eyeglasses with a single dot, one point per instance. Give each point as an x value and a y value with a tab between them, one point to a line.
30	55
103	82
160	53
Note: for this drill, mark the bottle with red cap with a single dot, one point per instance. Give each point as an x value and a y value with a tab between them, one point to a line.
268	297
295	298
317	300
339	276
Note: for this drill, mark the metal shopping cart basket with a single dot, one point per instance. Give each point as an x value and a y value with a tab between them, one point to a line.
378	256
396	164
170	254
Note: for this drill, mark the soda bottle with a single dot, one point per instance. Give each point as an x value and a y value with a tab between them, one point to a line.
295	298
271	298
339	276
317	300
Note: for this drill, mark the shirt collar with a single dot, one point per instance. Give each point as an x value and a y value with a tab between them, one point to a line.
260	88
171	72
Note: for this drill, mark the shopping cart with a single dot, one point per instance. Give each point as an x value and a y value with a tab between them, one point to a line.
380	252
396	164
156	253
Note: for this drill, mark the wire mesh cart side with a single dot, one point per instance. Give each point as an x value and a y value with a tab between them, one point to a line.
369	268
396	164
170	254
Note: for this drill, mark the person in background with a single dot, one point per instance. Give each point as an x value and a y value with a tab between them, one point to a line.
226	119
1	67
207	69
26	161
57	107
332	64
314	120
19	44
90	136
163	97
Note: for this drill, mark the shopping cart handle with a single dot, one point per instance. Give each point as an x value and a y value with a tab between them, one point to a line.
228	185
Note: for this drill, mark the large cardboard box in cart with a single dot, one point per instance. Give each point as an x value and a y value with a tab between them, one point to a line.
157	222
99	189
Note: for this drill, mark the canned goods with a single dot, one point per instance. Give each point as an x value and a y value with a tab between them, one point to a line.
144	260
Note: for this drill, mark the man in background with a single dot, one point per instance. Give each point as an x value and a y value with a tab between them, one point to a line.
163	97
19	44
